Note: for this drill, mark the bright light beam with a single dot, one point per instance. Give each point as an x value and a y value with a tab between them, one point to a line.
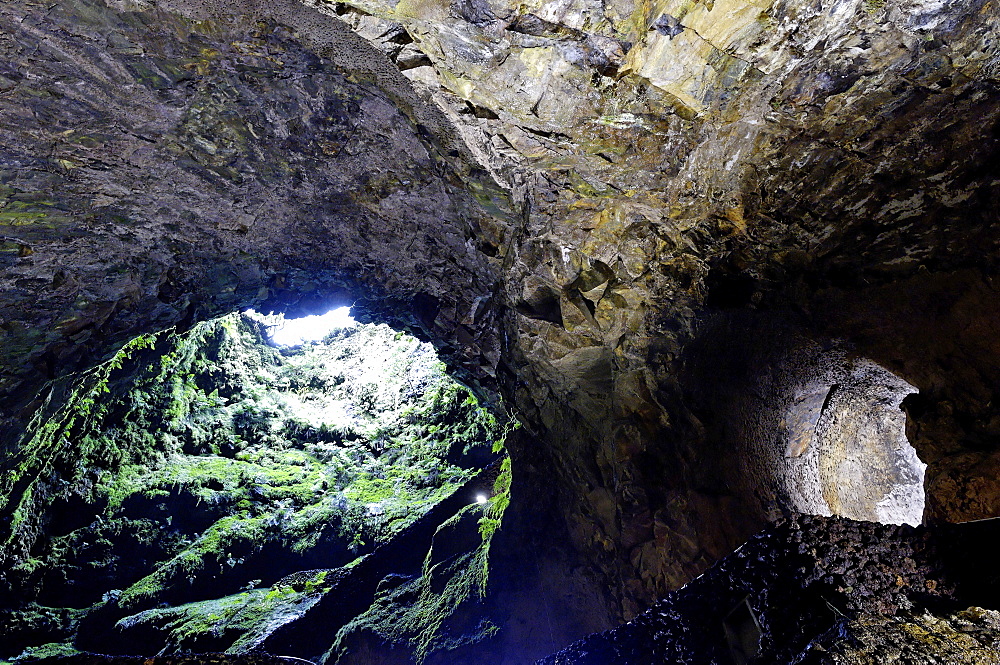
292	332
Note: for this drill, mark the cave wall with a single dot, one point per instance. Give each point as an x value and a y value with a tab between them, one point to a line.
691	159
560	196
163	165
820	591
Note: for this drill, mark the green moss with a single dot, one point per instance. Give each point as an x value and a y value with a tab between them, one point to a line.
316	582
185	624
332	447
50	650
492	519
210	549
233	621
420	613
50	625
61	438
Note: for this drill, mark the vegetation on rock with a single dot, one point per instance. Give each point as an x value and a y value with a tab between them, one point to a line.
439	610
430	612
199	469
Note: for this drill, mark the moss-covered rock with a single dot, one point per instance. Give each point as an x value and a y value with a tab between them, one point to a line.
33	624
437	612
199	469
52	650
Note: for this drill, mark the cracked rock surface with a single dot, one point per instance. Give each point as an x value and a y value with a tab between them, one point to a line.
814	590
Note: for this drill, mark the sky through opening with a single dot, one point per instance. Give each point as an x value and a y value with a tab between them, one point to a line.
293	332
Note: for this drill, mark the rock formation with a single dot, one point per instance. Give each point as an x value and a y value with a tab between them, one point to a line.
702	249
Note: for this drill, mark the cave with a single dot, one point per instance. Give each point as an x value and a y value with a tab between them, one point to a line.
725	267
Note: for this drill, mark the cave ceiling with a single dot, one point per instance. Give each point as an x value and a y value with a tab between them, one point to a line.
571	199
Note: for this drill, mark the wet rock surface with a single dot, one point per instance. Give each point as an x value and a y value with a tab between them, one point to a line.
822	590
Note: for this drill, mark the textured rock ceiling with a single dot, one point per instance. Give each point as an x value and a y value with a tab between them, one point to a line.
613	214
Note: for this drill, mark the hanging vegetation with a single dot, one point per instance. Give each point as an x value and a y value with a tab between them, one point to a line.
201	470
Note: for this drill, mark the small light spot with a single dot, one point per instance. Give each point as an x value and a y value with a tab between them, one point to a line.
481	498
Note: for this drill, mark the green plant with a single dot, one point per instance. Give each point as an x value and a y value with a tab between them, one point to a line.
256	446
492	518
316	583
44	651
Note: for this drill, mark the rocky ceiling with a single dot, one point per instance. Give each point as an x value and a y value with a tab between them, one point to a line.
657	229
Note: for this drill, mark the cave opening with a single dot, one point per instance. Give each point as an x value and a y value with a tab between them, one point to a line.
847	452
794	422
204	488
284	331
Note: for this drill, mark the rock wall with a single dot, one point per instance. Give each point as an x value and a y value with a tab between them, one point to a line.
163	165
684	159
814	590
803	426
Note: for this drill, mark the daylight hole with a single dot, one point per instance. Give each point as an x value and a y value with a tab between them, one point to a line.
312	328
